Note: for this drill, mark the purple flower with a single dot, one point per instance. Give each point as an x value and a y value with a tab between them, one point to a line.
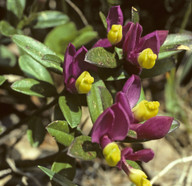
134	45
74	65
154	128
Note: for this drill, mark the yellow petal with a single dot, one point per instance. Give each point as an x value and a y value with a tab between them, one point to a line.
115	34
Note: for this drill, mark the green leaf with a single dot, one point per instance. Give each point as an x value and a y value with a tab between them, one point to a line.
106	97
36	50
33	87
175	124
50	18
160	67
60	130
83	148
33	69
94	99
52	58
69	105
175	43
59	37
57	177
35	131
85	37
135	15
101	57
64	165
16	7
133	164
6	57
2	80
132	134
103	19
6	29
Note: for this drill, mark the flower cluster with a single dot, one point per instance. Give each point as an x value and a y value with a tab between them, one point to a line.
128	113
124	115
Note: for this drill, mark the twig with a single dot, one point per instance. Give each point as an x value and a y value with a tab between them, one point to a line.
170	166
78	12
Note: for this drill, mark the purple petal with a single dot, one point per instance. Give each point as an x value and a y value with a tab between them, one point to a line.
102	43
121	123
69	55
132	89
141	155
115	16
151	41
132	38
154	128
122	99
102	125
162	35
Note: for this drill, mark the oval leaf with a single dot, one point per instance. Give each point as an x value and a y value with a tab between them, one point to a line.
36	50
102	58
33	87
6	29
33	69
2	80
52	58
70	109
60	130
50	18
134	15
83	148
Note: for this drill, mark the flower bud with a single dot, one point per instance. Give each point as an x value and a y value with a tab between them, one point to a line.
138	177
112	154
84	82
145	110
115	34
146	58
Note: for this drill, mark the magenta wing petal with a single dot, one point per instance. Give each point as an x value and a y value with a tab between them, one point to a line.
132	89
102	125
154	128
123	100
162	34
121	123
115	16
142	155
102	43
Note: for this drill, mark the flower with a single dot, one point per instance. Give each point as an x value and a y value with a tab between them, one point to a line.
142	52
77	79
154	127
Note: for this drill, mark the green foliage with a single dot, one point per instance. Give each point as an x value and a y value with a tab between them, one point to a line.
60	130
135	15
2	80
69	105
82	148
6	29
34	87
36	50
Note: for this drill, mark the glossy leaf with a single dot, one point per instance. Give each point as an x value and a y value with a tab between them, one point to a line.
175	124
16	7
106	97
70	108
101	57
175	43
94	100
6	29
160	67
133	164
52	59
35	131
6	57
60	130
61	180
2	80
33	69
135	15
50	18
64	165
33	87
36	50
83	148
